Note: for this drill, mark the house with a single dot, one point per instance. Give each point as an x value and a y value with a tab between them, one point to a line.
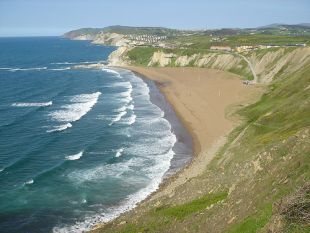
221	48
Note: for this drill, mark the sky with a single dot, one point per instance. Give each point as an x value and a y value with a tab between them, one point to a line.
55	17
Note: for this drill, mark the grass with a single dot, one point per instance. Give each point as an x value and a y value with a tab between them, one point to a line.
297	228
164	216
253	223
275	133
205	42
238	40
141	55
181	211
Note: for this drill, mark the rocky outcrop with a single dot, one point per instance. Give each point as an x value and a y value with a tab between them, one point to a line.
104	38
218	61
185	60
213	60
84	37
119	57
111	39
263	65
161	59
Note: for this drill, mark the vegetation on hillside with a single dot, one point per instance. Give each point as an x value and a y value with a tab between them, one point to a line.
276	29
205	41
252	183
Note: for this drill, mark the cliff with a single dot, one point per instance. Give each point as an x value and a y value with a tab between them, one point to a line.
267	64
259	180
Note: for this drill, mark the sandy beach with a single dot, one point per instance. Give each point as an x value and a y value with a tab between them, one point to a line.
203	99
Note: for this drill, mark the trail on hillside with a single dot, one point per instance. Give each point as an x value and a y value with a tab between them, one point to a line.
251	67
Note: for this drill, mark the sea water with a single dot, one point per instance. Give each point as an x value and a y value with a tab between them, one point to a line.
77	146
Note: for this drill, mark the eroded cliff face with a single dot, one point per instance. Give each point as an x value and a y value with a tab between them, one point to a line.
111	39
104	38
118	57
161	59
84	37
267	63
283	61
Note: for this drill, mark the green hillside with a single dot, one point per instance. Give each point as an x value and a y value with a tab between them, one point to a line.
258	181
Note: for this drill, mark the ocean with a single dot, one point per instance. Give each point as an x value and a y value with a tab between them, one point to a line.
78	146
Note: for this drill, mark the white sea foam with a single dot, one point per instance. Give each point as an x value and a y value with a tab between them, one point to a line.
60	128
42	104
29	182
152	160
103	171
111	71
121	84
118	117
126	96
64	63
131	119
119	152
131	107
75	63
123	108
27	69
78	107
126	93
61	69
129	203
75	157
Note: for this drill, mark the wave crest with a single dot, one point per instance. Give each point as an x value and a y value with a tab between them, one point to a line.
42	104
75	157
60	128
111	71
80	105
119	152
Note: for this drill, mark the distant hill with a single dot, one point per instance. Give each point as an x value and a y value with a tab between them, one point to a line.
278	25
125	30
302	29
305	24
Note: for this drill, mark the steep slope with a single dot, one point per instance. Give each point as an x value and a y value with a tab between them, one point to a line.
246	187
266	63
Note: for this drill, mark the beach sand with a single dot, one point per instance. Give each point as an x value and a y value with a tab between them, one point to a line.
202	99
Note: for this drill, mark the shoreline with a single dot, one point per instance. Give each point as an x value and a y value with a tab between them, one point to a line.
200	98
183	148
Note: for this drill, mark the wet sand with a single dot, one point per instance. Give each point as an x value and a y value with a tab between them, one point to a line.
202	99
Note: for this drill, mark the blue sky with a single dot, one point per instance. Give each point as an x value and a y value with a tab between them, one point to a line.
54	17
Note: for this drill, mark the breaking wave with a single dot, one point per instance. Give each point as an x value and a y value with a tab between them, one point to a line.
75	157
119	152
118	117
61	69
39	104
78	107
131	119
111	71
23	69
29	182
60	128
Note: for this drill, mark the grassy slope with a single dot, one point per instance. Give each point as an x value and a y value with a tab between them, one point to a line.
264	160
205	42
